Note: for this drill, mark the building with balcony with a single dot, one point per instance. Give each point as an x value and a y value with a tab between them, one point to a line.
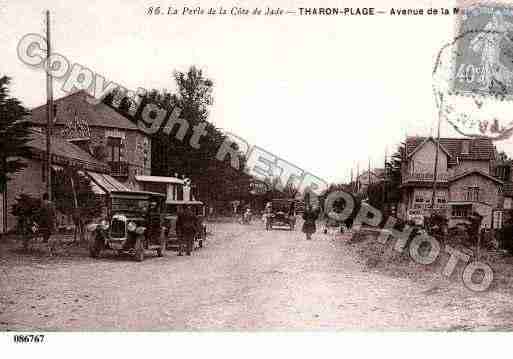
102	132
465	179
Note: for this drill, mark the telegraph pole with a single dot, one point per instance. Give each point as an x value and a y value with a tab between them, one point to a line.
435	172
49	109
384	178
357	177
352	184
369	180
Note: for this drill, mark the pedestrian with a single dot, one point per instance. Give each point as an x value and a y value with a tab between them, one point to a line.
475	230
46	218
246	217
310	216
268	212
186	228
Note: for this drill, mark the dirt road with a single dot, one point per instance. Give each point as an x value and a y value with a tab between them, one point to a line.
244	279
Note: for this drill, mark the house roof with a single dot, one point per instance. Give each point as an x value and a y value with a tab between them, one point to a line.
77	105
481	149
64	152
474	171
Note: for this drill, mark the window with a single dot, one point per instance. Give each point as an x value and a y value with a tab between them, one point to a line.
179	194
460	211
507	203
465	147
472	194
441	200
419	199
114	149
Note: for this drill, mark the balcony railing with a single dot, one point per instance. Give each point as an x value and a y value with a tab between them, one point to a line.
426	177
119	169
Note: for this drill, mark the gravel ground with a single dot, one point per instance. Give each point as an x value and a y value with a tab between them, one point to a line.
244	279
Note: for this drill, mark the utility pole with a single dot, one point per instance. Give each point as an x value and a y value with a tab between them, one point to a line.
435	172
357	176
49	109
384	179
369	180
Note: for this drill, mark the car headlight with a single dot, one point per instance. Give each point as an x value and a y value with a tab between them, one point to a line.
104	224
131	226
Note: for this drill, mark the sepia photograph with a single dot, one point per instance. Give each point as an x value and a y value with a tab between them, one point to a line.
333	171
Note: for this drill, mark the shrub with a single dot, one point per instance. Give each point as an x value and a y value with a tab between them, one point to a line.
27	210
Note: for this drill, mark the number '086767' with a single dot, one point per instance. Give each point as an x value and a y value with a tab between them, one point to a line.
28	338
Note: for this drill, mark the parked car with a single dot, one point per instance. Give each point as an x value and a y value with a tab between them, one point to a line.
135	225
283	213
171	215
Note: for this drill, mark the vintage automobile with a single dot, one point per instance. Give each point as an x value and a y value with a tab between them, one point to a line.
283	213
171	215
134	226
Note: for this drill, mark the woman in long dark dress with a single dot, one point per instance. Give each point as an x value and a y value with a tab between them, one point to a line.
310	216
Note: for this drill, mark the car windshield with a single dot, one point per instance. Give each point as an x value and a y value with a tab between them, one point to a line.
197	209
282	206
130	205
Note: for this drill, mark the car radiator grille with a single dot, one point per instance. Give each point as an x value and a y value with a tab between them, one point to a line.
117	229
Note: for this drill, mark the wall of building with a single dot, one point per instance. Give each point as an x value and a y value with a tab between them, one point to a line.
136	149
488	189
28	181
483	209
424	160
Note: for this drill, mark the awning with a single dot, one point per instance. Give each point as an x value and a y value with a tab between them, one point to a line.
107	183
96	189
159	179
461	203
182	202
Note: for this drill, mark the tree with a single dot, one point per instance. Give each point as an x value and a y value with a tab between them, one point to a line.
216	181
194	94
14	136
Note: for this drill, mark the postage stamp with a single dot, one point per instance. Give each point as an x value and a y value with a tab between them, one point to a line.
480	75
484	61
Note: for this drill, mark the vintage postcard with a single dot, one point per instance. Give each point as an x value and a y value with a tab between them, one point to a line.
224	166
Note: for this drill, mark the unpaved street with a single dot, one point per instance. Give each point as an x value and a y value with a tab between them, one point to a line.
244	279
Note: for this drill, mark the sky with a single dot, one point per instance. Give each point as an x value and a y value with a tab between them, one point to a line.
324	93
